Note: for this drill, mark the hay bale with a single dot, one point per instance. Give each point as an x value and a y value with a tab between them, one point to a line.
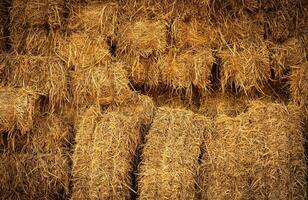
33	176
49	134
81	51
194	33
93	18
3	19
105	148
169	165
37	13
143	38
182	69
16	109
245	67
244	28
34	41
285	55
45	75
102	83
299	86
257	155
222	103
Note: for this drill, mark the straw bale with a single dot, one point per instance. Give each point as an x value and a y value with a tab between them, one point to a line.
138	105
33	176
222	103
45	75
3	19
35	41
246	67
49	134
299	85
194	33
169	165
94	18
143	37
16	109
105	148
143	71
182	69
257	155
288	54
82	150
37	13
102	83
81	51
245	27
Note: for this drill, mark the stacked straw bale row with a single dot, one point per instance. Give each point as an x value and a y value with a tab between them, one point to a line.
105	147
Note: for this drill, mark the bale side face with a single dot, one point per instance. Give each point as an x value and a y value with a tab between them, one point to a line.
299	86
169	165
183	69
49	134
82	18
257	155
43	74
16	109
33	176
246	67
115	142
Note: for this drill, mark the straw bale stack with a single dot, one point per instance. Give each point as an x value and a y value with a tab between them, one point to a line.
169	165
245	67
182	69
105	148
94	18
289	53
16	109
33	176
257	155
299	85
222	103
49	134
46	75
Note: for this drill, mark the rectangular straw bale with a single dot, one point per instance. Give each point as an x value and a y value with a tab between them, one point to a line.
82	51
245	67
194	33
105	148
143	37
245	27
222	103
37	13
33	176
169	165
257	155
103	83
298	81
289	53
46	75
35	41
182	69
17	107
95	18
49	134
